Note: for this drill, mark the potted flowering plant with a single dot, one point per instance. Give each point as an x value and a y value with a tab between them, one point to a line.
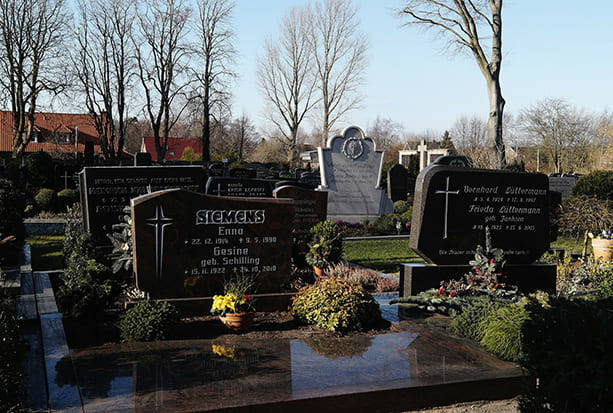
326	248
602	245
235	307
318	255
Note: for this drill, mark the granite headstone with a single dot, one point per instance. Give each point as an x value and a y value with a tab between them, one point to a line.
397	183
351	173
106	191
186	243
563	184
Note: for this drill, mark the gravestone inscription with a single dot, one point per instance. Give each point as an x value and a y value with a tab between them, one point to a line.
351	173
106	191
453	206
310	209
186	243
241	187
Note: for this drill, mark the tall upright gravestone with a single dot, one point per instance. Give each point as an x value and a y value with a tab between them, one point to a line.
186	243
350	168
452	208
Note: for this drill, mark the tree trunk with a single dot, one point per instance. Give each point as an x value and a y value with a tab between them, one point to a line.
494	123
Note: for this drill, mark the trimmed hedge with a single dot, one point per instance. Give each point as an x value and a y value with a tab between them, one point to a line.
597	184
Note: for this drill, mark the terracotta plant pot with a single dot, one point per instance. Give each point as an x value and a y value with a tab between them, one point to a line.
602	249
319	272
238	322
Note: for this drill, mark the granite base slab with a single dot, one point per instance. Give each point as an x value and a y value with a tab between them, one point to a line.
415	278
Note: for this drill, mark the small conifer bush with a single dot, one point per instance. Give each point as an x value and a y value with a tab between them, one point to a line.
148	321
336	304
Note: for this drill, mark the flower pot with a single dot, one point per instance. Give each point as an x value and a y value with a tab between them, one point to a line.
319	272
238	322
602	249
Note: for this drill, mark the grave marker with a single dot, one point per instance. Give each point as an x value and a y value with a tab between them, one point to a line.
351	173
105	191
563	184
452	208
397	183
185	243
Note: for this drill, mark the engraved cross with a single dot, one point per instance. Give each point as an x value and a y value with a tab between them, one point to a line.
446	192
159	223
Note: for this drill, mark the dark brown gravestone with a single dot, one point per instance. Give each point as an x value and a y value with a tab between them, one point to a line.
311	208
242	173
241	187
454	205
397	183
106	191
185	243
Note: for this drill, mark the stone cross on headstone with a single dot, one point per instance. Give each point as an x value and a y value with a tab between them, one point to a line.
447	192
159	223
66	176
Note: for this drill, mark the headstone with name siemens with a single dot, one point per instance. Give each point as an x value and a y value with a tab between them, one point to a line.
397	183
186	243
452	208
351	173
310	209
563	184
106	191
241	187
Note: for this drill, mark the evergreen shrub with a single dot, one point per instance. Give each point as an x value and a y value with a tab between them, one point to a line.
567	345
148	321
46	199
66	198
400	207
12	205
469	323
39	170
336	304
598	184
12	394
501	331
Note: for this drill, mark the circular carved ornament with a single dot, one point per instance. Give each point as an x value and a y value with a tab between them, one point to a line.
353	148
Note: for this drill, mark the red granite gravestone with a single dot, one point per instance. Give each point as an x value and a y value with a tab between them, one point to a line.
185	243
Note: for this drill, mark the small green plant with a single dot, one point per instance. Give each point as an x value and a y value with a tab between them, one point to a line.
598	184
46	199
336	305
326	247
392	223
502	334
368	279
148	321
469	322
237	296
400	207
121	238
66	198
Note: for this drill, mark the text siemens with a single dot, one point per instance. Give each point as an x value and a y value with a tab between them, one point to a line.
224	216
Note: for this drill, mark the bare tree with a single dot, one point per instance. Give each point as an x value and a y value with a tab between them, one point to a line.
563	133
285	75
243	136
215	54
105	67
32	37
161	54
469	133
339	50
460	20
385	132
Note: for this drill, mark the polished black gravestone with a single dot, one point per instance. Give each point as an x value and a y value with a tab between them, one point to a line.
452	208
106	191
397	183
186	243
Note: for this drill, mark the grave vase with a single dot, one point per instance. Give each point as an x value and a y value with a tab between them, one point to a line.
238	322
603	249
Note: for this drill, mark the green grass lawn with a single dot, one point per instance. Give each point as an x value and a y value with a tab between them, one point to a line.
382	255
46	251
571	245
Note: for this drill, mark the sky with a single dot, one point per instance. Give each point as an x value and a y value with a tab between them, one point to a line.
551	49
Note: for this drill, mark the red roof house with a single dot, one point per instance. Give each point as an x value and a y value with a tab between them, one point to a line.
176	146
52	133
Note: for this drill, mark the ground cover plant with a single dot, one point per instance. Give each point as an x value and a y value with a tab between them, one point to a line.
12	394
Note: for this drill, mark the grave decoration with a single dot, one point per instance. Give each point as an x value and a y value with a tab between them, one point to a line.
452	208
240	187
185	243
105	191
351	173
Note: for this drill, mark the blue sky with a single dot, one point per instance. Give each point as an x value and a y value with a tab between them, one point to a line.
551	48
